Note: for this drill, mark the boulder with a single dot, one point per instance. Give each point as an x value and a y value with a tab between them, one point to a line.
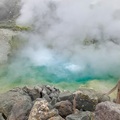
42	110
15	104
33	92
95	95
66	96
83	102
81	116
64	107
87	99
107	111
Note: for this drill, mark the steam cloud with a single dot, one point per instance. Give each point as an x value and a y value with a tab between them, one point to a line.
81	36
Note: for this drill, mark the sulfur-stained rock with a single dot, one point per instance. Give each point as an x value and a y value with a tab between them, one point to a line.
42	111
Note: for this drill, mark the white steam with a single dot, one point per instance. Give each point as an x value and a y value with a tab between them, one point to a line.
85	34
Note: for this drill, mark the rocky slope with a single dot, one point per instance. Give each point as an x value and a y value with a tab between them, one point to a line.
49	103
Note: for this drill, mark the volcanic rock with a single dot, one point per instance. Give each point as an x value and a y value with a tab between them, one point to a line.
107	111
66	96
56	118
64	107
34	93
81	116
42	111
89	98
15	104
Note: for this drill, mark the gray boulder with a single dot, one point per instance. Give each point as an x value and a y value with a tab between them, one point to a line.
66	96
107	111
15	104
81	116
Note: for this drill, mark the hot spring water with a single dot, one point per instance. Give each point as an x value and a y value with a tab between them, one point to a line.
70	43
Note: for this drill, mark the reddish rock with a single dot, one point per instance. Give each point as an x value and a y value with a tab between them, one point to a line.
107	111
64	107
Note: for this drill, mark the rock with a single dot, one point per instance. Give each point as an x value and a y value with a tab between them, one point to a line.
34	93
51	91
5	37
53	101
85	99
42	111
54	92
1	117
107	111
66	96
56	118
81	116
47	97
42	92
102	97
15	104
64	107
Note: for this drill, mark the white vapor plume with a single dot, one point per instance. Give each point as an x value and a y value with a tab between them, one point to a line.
77	34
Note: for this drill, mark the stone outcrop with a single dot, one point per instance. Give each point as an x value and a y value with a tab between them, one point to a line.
5	37
107	111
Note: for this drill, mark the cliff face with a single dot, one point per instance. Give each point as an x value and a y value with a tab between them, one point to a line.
5	36
9	11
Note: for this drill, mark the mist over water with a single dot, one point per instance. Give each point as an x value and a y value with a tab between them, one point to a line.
70	41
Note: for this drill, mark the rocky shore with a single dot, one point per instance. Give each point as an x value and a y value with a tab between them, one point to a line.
49	103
